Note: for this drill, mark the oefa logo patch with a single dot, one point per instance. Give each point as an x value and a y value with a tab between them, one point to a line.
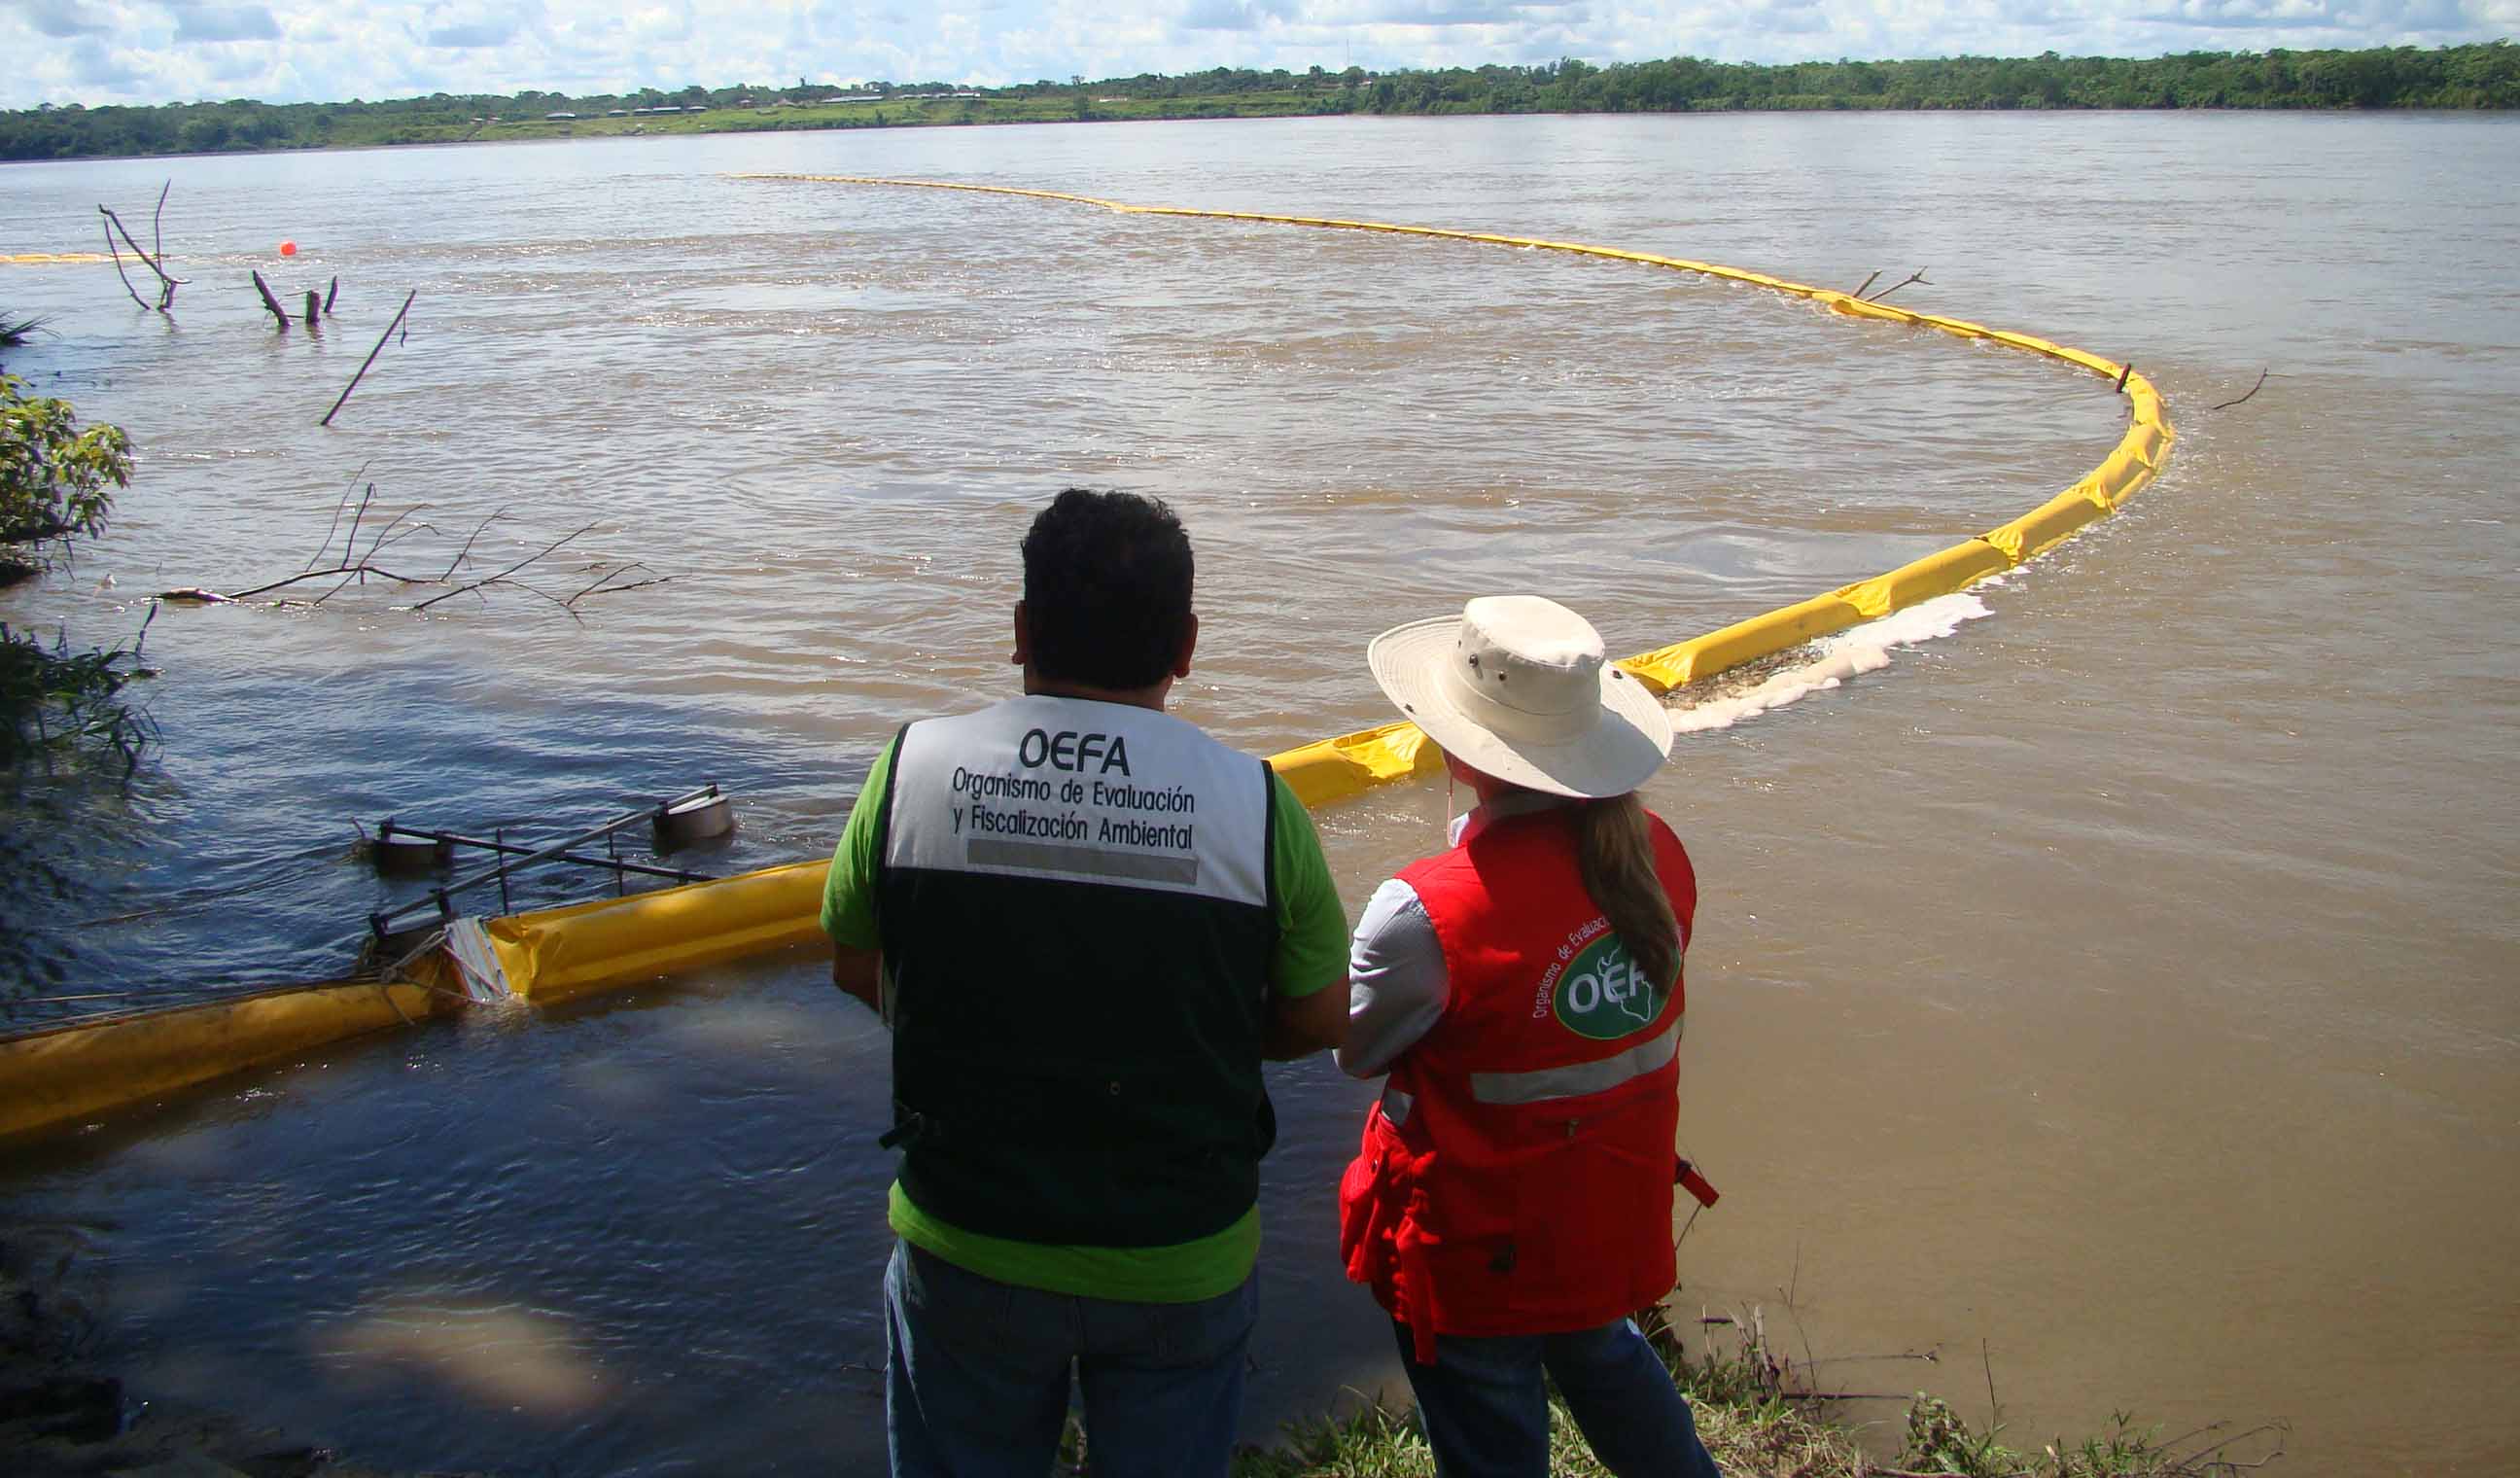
1601	992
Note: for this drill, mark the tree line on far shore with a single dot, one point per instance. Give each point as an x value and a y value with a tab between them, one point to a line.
2483	76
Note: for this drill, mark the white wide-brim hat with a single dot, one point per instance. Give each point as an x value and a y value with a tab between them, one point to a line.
1516	687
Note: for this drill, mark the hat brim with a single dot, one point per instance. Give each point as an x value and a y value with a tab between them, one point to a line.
1621	752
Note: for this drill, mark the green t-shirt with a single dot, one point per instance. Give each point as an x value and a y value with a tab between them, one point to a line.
1310	956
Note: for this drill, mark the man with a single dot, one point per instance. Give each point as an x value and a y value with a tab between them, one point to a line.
1086	924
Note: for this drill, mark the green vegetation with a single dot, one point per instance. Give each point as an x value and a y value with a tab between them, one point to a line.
54	699
2485	75
1757	1427
57	484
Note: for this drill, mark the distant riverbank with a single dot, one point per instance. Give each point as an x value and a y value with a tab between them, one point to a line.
2481	76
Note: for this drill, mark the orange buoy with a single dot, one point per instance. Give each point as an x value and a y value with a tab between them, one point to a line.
288	248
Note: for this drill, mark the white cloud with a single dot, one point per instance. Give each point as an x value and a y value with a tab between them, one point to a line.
223	23
62	18
112	51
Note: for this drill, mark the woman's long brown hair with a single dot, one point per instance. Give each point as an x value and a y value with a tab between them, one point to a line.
1615	856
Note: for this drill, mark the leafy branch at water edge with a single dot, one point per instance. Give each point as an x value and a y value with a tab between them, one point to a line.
53	699
56	483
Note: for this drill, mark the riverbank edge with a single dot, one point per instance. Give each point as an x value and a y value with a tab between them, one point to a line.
60	1414
1761	1418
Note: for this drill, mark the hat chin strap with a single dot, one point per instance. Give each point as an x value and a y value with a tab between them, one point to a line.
1510	723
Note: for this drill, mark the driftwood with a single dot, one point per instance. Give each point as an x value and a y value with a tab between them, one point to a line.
2253	389
353	563
1917	276
279	314
167	282
371	359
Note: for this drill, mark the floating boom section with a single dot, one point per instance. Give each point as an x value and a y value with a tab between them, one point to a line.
66	1073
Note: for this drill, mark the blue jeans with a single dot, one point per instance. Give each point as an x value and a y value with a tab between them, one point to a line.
1486	1409
975	1377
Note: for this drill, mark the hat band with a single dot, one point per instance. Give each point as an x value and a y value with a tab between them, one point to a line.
1510	723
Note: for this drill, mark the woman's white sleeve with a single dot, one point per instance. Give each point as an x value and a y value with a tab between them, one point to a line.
1396	980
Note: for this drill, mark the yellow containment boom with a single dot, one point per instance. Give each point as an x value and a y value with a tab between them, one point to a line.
71	1072
65	1073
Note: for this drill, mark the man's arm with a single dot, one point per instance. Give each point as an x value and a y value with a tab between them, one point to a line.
1301	1025
1308	973
860	972
848	893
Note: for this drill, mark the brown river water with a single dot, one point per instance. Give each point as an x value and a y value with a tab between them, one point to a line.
2112	998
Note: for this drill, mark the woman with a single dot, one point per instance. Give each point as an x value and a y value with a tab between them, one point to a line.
1510	1207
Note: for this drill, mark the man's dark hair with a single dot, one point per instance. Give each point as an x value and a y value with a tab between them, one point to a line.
1106	589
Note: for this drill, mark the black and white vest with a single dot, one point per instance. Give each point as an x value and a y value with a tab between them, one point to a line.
1077	912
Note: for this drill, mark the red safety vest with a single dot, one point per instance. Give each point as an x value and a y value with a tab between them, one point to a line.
1517	1177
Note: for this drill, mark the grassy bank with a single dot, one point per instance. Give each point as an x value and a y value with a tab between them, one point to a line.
1761	1420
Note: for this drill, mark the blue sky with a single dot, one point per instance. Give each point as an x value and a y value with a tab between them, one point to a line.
157	51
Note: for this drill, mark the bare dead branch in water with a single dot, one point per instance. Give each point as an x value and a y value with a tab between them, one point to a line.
544	594
348	562
2253	389
351	540
466	552
157	220
604	586
1868	282
1917	276
615	590
371	359
335	526
117	265
146	258
167	282
378	542
350	571
544	551
279	314
358	577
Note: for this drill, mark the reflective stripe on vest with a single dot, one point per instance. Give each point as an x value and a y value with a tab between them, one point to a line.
1541	1085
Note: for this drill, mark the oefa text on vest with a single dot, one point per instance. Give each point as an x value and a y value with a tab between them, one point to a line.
1594	988
1072	751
